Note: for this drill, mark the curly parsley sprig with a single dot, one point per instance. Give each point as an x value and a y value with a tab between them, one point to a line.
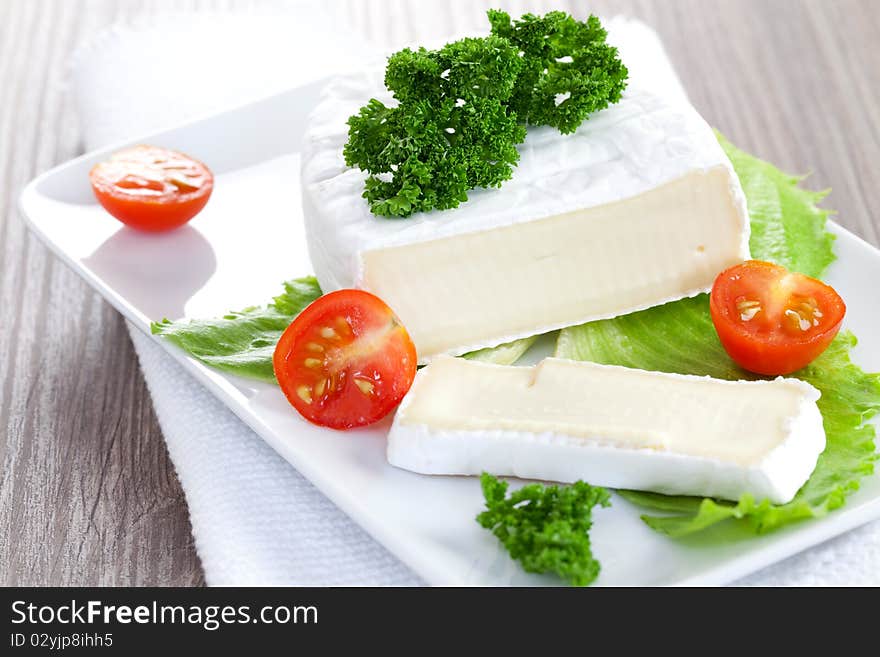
462	110
545	528
569	71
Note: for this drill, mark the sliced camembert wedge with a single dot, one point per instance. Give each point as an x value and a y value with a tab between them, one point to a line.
640	206
564	420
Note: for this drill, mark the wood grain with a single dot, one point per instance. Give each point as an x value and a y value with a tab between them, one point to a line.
87	492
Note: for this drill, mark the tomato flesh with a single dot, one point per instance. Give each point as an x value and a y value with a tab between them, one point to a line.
772	321
152	189
346	361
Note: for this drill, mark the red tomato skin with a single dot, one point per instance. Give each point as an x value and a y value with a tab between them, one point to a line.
771	357
393	368
152	214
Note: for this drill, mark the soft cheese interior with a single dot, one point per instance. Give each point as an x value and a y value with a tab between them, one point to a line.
480	289
566	420
639	207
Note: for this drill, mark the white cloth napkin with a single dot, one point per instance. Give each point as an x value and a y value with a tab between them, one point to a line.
255	519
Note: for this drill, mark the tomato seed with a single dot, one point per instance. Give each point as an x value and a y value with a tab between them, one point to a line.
305	394
748	309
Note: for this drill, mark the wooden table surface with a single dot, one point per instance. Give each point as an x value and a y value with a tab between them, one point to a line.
88	494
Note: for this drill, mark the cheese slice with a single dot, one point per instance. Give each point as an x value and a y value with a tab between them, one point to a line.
564	420
640	206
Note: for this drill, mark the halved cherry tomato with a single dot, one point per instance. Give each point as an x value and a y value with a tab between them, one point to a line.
773	321
346	360
151	188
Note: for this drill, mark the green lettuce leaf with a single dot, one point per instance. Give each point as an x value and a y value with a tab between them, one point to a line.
503	354
242	342
787	228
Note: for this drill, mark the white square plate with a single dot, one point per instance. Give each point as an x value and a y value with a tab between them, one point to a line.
249	239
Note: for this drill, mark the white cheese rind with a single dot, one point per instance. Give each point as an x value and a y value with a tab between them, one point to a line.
607	460
629	149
